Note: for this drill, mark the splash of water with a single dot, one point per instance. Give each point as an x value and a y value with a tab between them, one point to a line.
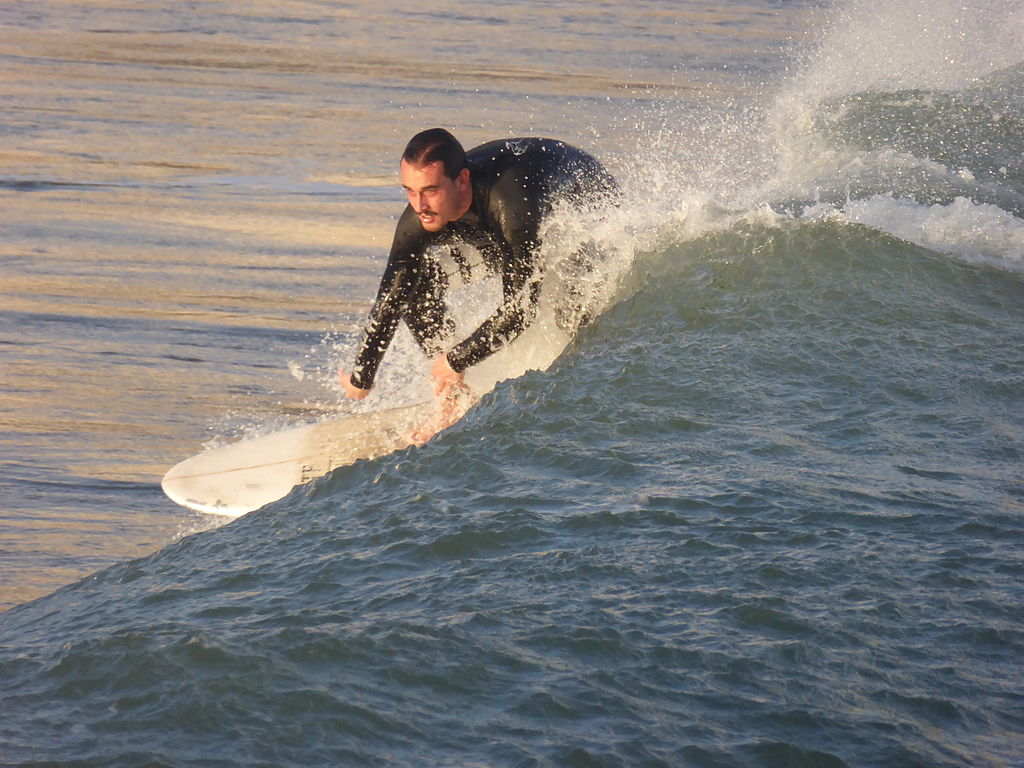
872	47
903	117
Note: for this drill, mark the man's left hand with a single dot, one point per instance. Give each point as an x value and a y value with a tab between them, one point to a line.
351	390
445	378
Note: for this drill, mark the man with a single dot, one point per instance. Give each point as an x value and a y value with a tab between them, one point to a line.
494	198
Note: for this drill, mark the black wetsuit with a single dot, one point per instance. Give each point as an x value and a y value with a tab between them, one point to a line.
514	182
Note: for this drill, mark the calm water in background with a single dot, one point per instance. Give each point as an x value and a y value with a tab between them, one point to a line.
766	511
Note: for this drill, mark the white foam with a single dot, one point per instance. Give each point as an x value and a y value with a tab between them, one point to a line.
913	44
976	232
869	45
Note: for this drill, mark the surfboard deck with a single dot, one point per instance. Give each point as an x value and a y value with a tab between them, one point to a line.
235	479
238	478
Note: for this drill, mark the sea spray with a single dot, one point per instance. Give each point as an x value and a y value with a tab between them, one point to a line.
976	232
909	118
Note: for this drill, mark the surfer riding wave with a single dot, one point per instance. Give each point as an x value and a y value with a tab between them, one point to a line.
493	198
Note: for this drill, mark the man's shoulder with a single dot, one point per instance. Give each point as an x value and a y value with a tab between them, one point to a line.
515	150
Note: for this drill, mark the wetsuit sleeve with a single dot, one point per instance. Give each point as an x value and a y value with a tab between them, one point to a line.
514	206
397	286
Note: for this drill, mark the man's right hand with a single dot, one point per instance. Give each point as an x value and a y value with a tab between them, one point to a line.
351	390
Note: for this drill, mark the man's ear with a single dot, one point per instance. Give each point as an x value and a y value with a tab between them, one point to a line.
463	178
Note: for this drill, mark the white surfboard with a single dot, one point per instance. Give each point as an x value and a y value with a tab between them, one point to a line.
239	478
235	479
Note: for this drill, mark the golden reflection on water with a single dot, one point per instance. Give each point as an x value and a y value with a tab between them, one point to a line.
191	197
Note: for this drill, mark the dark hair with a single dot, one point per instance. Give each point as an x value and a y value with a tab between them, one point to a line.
436	145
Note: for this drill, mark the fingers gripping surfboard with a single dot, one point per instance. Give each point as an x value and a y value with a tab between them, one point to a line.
239	478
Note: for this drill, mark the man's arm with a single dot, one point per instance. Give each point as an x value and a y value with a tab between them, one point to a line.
396	287
514	210
520	291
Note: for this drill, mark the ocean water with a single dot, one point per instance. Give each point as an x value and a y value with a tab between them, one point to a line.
767	510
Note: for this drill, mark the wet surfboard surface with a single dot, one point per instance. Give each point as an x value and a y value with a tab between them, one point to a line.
238	478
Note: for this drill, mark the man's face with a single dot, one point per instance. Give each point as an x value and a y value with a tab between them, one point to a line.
436	198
